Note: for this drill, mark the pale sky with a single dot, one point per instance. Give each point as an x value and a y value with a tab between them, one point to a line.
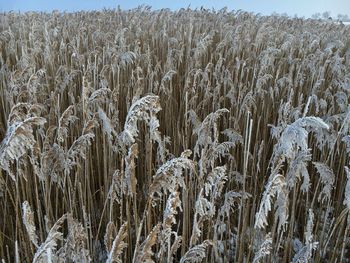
291	7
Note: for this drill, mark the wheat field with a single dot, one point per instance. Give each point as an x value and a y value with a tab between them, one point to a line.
173	136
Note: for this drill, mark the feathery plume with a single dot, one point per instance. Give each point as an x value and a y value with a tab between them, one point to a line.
264	250
18	139
28	220
197	253
145	252
118	245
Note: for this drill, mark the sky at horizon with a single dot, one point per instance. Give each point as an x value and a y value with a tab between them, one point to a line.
301	8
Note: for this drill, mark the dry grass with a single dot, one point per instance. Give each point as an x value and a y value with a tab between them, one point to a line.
160	136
